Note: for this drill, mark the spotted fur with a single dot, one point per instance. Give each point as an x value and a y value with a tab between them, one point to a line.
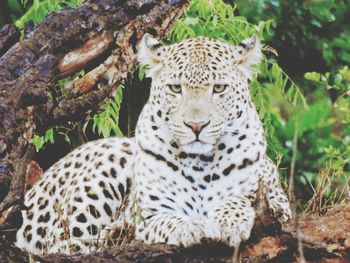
191	172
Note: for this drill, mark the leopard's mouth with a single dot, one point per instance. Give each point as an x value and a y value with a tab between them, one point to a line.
197	147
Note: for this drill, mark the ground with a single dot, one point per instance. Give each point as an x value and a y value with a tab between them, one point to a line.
326	239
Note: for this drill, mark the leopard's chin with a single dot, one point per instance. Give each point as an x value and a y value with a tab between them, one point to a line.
197	147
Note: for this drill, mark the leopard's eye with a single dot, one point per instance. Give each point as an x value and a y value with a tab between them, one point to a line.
219	88
176	88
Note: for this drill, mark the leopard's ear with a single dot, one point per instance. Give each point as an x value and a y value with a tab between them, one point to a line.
247	55
149	54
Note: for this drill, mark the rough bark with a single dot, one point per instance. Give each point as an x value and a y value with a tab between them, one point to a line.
9	35
29	100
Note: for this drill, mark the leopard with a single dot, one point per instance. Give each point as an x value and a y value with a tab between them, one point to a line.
190	173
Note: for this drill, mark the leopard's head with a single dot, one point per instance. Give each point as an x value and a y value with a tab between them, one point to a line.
199	87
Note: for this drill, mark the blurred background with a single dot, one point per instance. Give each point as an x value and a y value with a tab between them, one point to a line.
302	90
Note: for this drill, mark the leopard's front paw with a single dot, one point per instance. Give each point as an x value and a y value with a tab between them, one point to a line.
193	231
281	211
235	220
280	207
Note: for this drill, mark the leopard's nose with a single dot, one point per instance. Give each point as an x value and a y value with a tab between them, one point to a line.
196	127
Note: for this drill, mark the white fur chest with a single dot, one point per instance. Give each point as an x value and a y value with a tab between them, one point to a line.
193	184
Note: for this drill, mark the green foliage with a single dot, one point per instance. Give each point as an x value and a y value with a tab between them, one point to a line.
310	36
10	11
106	123
337	51
313	34
40	8
308	119
339	84
339	81
15	6
216	19
49	137
39	141
323	131
142	72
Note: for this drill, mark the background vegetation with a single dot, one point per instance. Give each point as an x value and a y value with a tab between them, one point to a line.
302	90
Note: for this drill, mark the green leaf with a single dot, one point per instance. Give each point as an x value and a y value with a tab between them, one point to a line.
142	73
106	123
191	20
15	6
49	136
309	119
38	142
40	8
314	76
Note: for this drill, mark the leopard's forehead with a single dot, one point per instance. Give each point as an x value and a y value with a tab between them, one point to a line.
201	49
199	60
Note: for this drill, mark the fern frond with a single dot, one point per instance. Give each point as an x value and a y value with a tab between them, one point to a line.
269	49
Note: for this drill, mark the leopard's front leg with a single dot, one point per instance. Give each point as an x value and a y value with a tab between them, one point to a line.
175	230
235	218
277	199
